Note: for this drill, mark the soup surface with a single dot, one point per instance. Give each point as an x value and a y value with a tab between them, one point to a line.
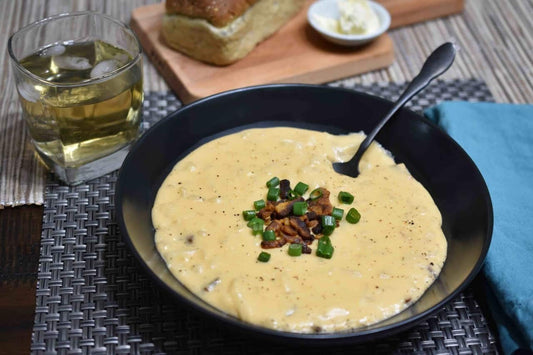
379	266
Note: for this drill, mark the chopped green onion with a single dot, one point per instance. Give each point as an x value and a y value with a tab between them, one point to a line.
324	248
291	195
295	249
324	241
299	208
273	182
263	257
337	213
345	197
353	216
259	204
248	215
257	229
315	194
273	194
300	188
328	225
255	220
269	235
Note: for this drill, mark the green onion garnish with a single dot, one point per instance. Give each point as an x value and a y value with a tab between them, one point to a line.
300	188
248	215
291	195
263	257
295	249
273	182
273	194
315	194
328	225
269	235
255	220
299	208
353	216
259	204
337	213
257	229
345	197
324	248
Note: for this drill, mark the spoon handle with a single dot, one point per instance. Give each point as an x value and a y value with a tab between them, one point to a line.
437	63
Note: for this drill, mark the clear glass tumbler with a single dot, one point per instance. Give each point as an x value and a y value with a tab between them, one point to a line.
79	79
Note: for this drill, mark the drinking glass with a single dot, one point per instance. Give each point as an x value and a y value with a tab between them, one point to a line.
79	79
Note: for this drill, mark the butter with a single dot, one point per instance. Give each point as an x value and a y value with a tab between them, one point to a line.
356	17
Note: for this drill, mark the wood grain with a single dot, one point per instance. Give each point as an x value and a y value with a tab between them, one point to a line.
295	53
406	12
20	232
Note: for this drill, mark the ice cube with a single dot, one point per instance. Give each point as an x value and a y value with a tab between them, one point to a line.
72	63
53	50
104	67
29	92
122	58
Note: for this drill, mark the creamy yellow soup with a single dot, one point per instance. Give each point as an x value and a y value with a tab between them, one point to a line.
379	266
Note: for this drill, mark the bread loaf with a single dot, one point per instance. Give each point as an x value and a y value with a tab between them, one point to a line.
223	31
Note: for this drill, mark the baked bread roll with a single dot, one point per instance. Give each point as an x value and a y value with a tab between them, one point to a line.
223	31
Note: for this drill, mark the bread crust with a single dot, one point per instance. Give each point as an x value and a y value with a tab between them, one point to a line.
217	12
204	41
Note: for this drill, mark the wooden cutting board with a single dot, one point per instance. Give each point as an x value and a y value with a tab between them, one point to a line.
294	54
406	12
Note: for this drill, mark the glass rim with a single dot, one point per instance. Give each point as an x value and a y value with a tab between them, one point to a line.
96	80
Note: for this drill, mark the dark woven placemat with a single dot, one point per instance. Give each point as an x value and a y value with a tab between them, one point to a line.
93	297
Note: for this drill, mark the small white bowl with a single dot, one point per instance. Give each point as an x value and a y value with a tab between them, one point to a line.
329	8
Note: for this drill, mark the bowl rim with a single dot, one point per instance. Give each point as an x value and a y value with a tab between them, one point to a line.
382	13
342	337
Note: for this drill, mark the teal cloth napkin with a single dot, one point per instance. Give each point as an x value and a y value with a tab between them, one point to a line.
499	138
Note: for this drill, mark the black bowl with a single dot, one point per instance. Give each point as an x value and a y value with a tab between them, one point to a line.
432	157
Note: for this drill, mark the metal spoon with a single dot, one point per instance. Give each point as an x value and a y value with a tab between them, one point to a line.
437	63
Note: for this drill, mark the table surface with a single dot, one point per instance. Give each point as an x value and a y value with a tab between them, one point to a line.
495	38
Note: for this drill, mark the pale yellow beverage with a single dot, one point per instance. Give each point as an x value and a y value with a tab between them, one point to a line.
74	125
79	78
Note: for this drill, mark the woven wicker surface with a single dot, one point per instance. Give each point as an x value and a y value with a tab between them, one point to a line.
92	296
496	38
